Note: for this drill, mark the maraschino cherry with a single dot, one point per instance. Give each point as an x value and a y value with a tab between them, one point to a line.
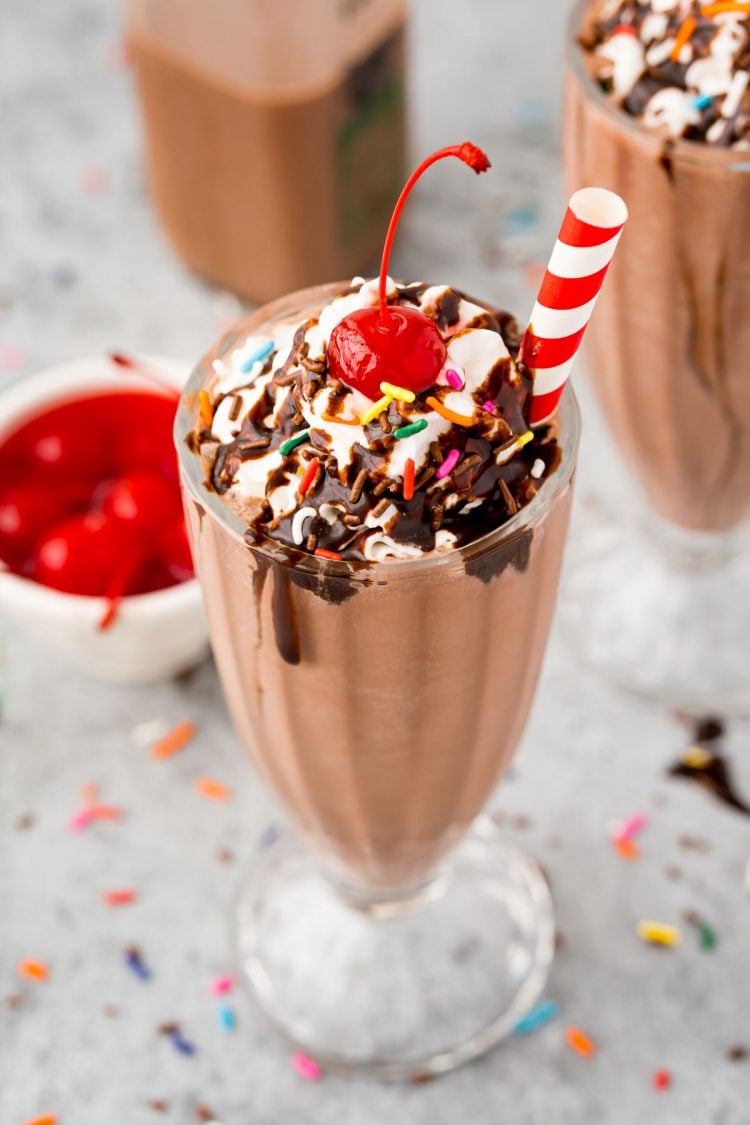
400	345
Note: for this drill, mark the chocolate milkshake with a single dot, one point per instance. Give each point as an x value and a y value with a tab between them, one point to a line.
379	577
658	109
275	133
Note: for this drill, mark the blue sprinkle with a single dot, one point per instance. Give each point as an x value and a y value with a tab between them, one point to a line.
519	220
702	101
137	965
227	1018
269	836
182	1045
261	353
545	1011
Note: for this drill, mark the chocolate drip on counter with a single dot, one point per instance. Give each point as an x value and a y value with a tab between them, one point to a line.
715	773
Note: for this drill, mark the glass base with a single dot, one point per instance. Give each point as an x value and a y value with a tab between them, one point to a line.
403	989
661	611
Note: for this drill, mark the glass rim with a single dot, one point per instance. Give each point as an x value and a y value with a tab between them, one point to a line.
192	474
695	153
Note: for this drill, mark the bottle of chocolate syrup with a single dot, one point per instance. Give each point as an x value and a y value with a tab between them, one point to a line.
275	133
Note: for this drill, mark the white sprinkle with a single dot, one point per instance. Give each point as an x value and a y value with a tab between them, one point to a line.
150	731
298	523
537	469
735	95
660	52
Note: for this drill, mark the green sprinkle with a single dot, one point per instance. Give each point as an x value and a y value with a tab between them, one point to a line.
413	428
291	443
707	934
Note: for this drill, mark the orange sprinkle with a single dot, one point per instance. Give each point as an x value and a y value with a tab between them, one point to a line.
449	415
626	848
45	1119
683	36
173	742
340	420
89	793
309	476
119	898
212	790
205	409
323	554
711	10
33	970
580	1042
408	489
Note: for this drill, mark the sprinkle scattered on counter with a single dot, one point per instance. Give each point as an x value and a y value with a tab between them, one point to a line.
33	970
176	740
707	938
658	933
182	1045
662	1079
227	1017
538	1017
92	813
136	964
121	897
212	790
45	1119
306	1067
579	1042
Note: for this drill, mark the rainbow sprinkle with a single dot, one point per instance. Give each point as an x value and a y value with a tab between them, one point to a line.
291	443
448	465
580	1042
222	985
412	428
212	790
658	933
545	1011
122	897
376	408
390	390
489	407
306	1067
227	1018
33	970
453	379
449	415
136	964
262	352
661	1080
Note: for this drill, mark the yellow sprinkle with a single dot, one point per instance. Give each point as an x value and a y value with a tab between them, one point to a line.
658	933
696	758
525	439
375	409
400	393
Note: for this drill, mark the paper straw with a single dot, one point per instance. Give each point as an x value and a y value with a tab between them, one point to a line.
585	245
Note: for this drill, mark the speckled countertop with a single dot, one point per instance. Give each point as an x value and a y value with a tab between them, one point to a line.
84	268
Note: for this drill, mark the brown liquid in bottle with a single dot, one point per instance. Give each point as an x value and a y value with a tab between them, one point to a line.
263	190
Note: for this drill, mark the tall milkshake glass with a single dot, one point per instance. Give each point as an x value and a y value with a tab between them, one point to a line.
660	597
382	701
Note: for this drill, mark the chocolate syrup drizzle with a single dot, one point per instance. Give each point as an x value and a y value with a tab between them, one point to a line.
364	485
715	775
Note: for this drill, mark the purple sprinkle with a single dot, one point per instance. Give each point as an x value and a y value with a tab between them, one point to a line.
454	379
448	464
489	406
180	1044
269	836
136	964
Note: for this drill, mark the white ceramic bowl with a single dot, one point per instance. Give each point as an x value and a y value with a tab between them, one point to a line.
155	635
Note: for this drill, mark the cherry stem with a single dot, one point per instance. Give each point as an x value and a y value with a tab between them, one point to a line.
470	155
118	588
130	363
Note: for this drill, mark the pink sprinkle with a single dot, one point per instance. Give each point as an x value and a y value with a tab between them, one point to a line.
448	464
222	985
12	357
489	406
454	379
306	1067
91	813
631	827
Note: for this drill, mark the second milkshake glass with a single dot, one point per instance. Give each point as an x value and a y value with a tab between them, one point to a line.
660	598
382	703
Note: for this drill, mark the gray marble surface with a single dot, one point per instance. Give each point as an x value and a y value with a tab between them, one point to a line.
84	271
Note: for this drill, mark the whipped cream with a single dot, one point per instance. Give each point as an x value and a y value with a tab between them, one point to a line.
273	389
680	66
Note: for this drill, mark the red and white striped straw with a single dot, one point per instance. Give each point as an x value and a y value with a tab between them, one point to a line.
585	245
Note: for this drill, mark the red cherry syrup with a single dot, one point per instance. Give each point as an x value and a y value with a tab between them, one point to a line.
397	345
90	498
